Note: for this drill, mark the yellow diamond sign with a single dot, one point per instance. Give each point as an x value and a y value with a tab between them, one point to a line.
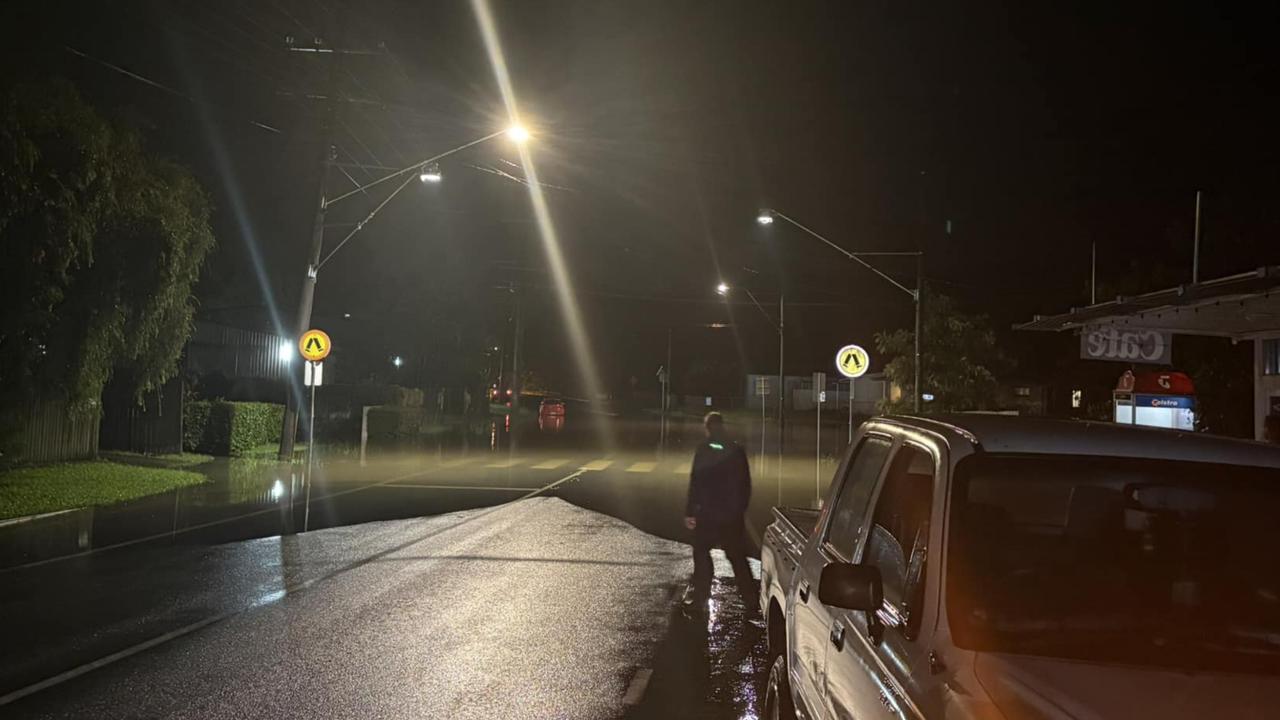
314	345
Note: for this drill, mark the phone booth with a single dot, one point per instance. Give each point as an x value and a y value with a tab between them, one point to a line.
1156	399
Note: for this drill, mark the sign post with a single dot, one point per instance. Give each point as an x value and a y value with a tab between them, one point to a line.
853	362
315	347
762	390
819	397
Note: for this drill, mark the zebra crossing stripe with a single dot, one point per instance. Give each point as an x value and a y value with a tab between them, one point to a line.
510	462
642	467
683	468
549	464
597	465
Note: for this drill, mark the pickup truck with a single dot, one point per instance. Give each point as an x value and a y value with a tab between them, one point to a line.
979	566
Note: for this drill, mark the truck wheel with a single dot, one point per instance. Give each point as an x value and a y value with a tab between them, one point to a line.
777	694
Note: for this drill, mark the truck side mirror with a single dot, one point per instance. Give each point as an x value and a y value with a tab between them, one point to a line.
849	586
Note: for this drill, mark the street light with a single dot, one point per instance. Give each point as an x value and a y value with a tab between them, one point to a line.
723	290
767	216
397	361
317	259
431	173
285	351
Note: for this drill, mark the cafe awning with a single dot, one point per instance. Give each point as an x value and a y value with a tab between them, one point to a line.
1242	306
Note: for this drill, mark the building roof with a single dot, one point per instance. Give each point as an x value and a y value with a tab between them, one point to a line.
1240	306
1013	434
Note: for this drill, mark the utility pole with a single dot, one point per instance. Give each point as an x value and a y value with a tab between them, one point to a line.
1195	251
782	386
515	352
918	293
293	399
1093	273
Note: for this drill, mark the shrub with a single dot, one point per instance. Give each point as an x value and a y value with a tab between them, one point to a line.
230	428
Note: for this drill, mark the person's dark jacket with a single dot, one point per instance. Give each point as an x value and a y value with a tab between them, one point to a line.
719	482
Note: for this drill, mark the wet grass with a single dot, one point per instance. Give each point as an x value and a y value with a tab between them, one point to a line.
176	461
48	488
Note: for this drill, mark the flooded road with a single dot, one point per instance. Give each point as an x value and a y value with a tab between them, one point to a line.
132	575
461	468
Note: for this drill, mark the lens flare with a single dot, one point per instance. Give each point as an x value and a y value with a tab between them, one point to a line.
546	228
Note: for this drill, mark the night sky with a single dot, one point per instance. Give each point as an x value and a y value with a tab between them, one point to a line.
661	127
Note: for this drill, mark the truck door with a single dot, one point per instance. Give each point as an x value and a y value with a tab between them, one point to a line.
812	619
877	665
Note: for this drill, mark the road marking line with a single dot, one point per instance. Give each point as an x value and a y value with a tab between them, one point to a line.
549	464
510	462
424	486
642	467
597	465
683	468
635	690
456	463
264	600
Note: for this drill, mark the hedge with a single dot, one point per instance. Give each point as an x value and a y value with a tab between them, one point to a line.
218	427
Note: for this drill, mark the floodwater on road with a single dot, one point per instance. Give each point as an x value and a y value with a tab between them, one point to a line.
460	468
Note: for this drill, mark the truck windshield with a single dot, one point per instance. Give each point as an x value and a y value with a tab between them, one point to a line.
1146	562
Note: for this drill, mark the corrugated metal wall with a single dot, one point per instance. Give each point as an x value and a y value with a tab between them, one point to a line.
55	433
235	352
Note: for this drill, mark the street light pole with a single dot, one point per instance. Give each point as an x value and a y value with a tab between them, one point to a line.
919	288
766	217
289	427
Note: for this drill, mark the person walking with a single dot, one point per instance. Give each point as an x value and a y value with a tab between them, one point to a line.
719	492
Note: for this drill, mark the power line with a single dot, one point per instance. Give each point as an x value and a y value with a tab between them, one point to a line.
161	86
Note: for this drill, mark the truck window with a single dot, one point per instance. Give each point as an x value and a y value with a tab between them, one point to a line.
900	531
855	491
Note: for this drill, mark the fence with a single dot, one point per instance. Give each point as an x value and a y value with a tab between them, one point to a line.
152	427
54	432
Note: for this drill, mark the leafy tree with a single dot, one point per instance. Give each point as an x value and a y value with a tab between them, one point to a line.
961	359
100	246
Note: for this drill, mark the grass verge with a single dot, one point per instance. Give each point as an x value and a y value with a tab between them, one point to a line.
48	488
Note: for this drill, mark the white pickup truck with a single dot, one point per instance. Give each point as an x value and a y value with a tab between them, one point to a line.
980	566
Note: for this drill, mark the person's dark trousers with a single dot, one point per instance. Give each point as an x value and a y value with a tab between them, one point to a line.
729	536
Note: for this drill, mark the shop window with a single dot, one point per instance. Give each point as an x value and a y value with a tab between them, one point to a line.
1271	356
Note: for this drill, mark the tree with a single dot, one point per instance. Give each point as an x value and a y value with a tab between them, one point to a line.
100	247
961	359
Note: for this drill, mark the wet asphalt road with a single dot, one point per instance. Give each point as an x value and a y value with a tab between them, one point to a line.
533	609
506	608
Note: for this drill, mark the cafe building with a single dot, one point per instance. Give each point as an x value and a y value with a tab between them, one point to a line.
1142	330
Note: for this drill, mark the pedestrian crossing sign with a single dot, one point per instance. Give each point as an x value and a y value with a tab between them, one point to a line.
852	361
314	345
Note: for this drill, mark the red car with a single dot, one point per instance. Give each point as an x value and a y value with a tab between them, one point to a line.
551	407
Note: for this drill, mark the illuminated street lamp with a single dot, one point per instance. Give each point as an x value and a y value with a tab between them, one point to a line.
426	170
397	361
285	352
722	289
518	133
767	216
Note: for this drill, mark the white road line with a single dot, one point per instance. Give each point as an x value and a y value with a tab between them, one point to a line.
642	467
683	468
549	464
635	690
456	463
510	462
597	465
266	600
424	486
